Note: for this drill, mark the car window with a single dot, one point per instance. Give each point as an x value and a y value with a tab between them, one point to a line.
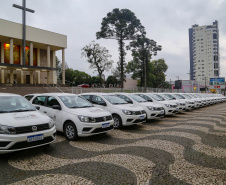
127	99
29	97
39	100
51	101
86	97
75	102
145	97
97	100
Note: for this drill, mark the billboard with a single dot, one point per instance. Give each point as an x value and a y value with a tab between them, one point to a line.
220	81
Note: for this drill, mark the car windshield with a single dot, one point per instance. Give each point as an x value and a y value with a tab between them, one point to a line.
75	102
155	97
179	96
115	100
159	97
15	104
186	96
137	98
170	97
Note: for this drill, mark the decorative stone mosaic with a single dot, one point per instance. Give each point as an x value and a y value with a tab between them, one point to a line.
187	148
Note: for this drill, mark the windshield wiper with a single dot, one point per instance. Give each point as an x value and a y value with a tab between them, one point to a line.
21	110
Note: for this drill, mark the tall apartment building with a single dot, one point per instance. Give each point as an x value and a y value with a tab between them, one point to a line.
204	52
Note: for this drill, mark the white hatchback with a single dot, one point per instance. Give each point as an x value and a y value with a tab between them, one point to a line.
123	113
73	115
22	126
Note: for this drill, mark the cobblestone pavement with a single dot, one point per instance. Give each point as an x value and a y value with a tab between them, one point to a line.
188	148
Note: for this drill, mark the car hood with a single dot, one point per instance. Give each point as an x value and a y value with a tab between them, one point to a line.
89	111
150	104
131	107
18	119
167	102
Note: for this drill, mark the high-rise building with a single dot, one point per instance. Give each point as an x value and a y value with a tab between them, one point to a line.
204	52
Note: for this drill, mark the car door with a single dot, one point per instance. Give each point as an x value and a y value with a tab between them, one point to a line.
54	114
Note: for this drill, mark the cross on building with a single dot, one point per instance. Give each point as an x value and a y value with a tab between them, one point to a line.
24	9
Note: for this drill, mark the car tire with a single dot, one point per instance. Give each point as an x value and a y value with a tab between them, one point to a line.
70	131
117	121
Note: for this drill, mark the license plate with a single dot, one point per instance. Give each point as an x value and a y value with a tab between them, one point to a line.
141	117
162	112
106	125
176	109
35	138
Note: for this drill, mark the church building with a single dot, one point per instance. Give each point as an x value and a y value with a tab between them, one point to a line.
40	55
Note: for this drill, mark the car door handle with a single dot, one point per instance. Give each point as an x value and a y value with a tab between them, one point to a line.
45	112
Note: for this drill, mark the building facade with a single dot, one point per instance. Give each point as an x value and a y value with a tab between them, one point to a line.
204	52
40	57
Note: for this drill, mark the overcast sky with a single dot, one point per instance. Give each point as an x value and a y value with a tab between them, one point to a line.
166	21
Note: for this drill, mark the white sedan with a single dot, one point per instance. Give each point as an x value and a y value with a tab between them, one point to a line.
22	126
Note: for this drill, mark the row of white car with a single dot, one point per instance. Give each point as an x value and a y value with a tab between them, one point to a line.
33	121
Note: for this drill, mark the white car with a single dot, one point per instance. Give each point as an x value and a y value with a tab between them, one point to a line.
22	126
180	103
169	107
73	115
124	114
153	110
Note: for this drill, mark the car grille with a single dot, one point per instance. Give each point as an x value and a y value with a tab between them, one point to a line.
101	119
28	129
158	108
139	112
4	143
99	130
26	144
174	106
139	120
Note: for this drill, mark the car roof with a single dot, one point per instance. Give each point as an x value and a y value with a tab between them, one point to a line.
9	94
96	93
53	94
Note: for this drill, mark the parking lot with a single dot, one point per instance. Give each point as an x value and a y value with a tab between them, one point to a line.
187	148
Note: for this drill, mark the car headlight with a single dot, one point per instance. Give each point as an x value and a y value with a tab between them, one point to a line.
51	124
127	112
167	105
4	129
86	119
150	108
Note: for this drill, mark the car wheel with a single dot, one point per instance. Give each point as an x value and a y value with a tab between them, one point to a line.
70	131
117	121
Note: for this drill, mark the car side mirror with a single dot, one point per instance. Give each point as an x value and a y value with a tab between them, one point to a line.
58	107
37	107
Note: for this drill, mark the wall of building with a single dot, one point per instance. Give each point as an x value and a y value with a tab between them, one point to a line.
14	30
204	45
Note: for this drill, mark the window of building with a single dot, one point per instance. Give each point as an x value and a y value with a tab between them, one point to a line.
214	36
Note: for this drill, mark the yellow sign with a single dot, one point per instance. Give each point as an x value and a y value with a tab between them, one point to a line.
194	87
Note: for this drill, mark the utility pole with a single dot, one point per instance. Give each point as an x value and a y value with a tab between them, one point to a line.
24	9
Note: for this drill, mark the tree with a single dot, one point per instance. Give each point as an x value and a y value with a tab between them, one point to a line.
98	57
120	25
155	72
159	69
111	80
142	50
